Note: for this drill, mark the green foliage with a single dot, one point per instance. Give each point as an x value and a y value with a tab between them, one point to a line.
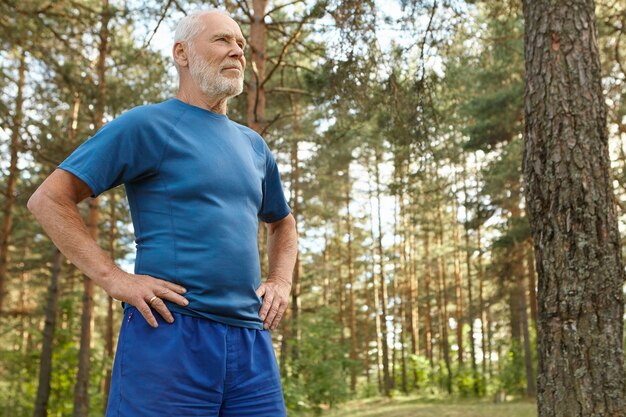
420	366
469	384
512	379
321	365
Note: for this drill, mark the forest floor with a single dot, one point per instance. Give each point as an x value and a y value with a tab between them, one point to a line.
430	407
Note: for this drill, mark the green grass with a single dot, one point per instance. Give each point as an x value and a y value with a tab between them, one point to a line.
433	407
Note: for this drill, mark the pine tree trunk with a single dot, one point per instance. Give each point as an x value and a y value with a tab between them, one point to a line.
14	148
481	302
531	389
383	286
428	327
458	286
351	304
108	331
470	301
572	214
442	300
378	325
258	60
45	362
532	292
294	331
81	392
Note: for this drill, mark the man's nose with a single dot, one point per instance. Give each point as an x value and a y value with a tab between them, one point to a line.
236	51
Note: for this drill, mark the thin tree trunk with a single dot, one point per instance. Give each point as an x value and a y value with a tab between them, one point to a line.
383	286
14	148
458	282
81	393
532	292
47	343
297	272
531	389
258	60
443	302
379	349
428	327
470	301
481	301
353	334
108	331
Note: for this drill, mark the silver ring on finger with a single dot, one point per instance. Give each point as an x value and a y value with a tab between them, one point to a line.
152	299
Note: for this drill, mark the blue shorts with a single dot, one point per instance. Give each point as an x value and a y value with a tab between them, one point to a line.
193	367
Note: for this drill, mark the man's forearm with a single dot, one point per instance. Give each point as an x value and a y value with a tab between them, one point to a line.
62	222
282	248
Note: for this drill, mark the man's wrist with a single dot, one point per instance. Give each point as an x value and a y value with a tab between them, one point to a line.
285	281
109	277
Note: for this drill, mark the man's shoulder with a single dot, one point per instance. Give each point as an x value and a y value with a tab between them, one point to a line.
258	143
245	129
147	114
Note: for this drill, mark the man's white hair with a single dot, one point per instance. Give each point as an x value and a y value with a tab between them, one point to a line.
190	26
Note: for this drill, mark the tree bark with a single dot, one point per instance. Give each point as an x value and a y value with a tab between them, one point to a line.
470	301
81	393
14	147
377	321
108	331
572	213
45	362
351	294
258	60
383	286
442	301
458	285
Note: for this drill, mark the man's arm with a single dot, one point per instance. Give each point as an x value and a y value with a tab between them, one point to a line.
282	248
53	204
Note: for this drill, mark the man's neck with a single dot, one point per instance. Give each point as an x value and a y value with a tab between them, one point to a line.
216	105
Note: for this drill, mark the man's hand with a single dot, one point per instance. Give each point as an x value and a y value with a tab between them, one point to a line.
140	291
275	295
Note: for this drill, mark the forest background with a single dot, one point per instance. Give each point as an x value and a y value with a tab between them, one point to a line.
398	130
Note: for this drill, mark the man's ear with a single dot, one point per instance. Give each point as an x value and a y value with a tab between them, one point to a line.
179	52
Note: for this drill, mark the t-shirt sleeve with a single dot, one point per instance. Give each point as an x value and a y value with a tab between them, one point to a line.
275	206
122	151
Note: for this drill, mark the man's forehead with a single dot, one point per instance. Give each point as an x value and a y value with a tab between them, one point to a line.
219	22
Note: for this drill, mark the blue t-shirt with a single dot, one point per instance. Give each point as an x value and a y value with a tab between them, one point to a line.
197	184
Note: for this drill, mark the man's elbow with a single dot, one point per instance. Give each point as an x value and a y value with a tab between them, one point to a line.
36	202
286	223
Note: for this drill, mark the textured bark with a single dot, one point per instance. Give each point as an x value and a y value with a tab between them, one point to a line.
14	147
572	214
81	394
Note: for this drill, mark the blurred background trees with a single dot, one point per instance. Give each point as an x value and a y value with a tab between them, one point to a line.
398	130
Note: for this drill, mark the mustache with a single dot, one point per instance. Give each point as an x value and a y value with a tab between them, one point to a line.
234	64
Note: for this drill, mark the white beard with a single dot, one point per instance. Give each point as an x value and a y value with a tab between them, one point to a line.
210	79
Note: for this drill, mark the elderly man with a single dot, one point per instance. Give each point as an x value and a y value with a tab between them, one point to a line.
197	184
